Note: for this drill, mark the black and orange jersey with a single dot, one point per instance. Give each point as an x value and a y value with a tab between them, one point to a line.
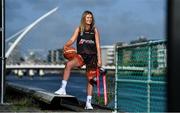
86	42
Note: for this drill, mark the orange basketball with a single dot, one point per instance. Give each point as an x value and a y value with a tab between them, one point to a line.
69	53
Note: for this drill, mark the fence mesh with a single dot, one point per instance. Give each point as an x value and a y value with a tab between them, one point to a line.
141	77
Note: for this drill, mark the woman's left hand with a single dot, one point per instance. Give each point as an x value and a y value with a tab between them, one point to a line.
99	63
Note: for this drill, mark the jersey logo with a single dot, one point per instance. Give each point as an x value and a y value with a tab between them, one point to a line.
89	33
82	41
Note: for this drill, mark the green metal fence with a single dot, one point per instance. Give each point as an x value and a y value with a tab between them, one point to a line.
140	83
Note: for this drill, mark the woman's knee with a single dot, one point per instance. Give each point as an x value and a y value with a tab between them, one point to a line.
90	78
69	65
91	74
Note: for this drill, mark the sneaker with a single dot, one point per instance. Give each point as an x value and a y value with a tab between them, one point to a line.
88	106
60	91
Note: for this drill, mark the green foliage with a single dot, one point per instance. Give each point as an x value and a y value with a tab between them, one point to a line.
110	84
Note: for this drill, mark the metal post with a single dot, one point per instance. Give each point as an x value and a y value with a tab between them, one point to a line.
116	72
3	56
149	79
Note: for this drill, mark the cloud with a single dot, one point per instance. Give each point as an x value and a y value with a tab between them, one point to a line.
42	4
116	20
125	27
48	34
89	3
12	11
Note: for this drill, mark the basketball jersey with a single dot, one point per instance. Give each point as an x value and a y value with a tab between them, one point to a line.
86	42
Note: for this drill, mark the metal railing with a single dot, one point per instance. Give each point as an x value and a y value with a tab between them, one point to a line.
140	82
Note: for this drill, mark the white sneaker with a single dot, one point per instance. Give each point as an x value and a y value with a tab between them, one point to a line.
88	106
60	91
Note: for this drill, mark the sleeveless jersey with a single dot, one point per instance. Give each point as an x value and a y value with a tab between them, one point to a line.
86	43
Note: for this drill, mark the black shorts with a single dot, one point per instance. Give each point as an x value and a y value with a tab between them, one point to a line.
90	60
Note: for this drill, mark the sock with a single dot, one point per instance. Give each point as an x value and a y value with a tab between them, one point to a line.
89	97
64	82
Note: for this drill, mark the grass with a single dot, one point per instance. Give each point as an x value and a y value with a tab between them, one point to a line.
18	102
110	84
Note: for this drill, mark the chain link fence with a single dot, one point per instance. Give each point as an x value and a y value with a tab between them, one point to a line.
140	79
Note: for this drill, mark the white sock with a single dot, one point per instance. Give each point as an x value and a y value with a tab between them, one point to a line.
64	83
89	97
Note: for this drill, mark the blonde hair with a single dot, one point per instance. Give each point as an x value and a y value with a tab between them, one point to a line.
83	19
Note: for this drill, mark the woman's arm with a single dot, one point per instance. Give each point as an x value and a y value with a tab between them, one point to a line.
72	39
97	39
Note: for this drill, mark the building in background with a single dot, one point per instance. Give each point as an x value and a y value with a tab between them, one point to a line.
139	39
55	56
162	56
15	57
108	55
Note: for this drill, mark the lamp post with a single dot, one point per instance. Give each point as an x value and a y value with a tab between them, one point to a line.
2	53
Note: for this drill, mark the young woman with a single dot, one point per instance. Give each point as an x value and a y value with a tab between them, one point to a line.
88	53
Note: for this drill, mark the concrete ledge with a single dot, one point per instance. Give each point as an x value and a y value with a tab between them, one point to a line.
56	101
44	96
51	98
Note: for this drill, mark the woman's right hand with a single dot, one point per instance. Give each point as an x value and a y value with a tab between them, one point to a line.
65	47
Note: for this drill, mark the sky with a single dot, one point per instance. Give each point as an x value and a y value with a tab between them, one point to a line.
116	21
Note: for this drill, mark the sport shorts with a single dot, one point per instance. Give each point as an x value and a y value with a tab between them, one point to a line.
90	60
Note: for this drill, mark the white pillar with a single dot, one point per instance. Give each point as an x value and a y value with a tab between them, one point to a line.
15	71
41	72
31	72
20	73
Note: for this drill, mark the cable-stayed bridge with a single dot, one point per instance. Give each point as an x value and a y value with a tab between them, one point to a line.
31	69
52	66
19	36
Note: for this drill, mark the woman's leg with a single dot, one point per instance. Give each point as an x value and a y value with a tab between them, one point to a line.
67	70
68	67
90	75
89	86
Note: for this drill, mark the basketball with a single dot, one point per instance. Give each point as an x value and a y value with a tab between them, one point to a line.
69	53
